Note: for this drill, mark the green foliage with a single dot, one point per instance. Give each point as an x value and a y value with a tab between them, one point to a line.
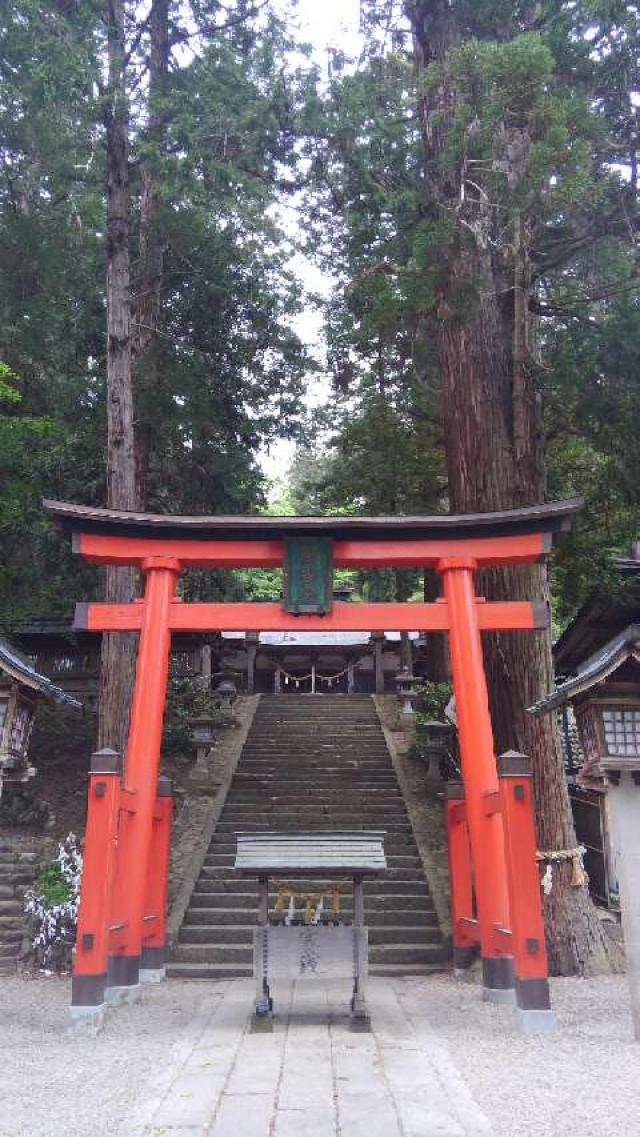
517	134
51	885
225	373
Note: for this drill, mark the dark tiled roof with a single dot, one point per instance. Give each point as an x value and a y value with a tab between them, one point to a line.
594	670
19	667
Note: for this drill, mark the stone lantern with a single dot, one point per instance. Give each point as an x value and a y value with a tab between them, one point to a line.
407	696
437	740
226	694
203	738
21	687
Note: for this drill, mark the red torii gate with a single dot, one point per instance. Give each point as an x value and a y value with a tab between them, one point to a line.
120	939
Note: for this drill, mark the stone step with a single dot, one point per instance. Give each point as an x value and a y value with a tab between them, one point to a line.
208	971
218	898
16	876
11	924
268	809
396	879
397	828
201	910
10	907
223	857
312	795
241	934
10	941
243	953
238	971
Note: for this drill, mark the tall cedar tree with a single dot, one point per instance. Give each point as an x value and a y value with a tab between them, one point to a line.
481	325
118	651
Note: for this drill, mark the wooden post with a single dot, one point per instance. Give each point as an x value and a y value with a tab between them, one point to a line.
360	1018
463	925
623	799
527	925
141	769
378	661
99	864
262	1020
480	777
351	679
251	640
154	946
277	681
205	667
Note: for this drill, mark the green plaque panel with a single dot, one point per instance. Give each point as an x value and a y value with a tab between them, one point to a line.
308	575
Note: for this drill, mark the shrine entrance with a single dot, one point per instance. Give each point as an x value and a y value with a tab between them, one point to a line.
494	877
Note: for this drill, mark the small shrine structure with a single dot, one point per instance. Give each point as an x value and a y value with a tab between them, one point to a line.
21	688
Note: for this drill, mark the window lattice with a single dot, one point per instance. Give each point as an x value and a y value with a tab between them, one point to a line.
19	729
622	731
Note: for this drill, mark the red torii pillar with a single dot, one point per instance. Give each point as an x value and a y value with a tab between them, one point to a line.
141	772
480	776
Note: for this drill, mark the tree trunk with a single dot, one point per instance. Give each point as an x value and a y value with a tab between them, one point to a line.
116	673
495	461
437	660
148	284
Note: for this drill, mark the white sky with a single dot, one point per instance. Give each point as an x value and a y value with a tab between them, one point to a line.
324	24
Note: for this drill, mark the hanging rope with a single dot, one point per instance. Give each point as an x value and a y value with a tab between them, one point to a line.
313	903
579	875
319	678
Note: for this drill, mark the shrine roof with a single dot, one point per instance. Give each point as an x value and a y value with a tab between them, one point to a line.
311	853
600	618
553	517
18	667
594	670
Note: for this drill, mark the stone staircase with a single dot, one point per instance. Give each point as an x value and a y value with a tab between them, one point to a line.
312	763
17	871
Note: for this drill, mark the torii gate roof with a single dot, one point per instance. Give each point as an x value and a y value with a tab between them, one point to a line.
548	519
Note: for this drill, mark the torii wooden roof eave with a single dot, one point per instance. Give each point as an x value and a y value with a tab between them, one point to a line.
517	536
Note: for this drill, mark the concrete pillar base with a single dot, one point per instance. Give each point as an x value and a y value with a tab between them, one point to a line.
152	974
118	996
534	1022
504	995
86	1022
498	979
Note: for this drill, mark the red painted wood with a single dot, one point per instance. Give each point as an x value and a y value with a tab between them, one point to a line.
487	551
143	746
154	931
475	737
271	617
98	873
530	955
238	553
463	926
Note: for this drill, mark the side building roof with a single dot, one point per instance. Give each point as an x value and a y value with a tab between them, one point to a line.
18	667
594	670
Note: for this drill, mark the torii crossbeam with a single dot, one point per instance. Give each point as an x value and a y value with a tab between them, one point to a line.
118	939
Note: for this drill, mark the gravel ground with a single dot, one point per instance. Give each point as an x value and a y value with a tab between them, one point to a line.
582	1081
52	1085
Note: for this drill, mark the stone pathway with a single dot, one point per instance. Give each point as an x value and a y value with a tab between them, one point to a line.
311	1077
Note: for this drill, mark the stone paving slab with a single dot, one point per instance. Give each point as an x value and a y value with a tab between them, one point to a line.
311	1077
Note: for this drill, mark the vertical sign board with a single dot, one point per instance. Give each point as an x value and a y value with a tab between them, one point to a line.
308	575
